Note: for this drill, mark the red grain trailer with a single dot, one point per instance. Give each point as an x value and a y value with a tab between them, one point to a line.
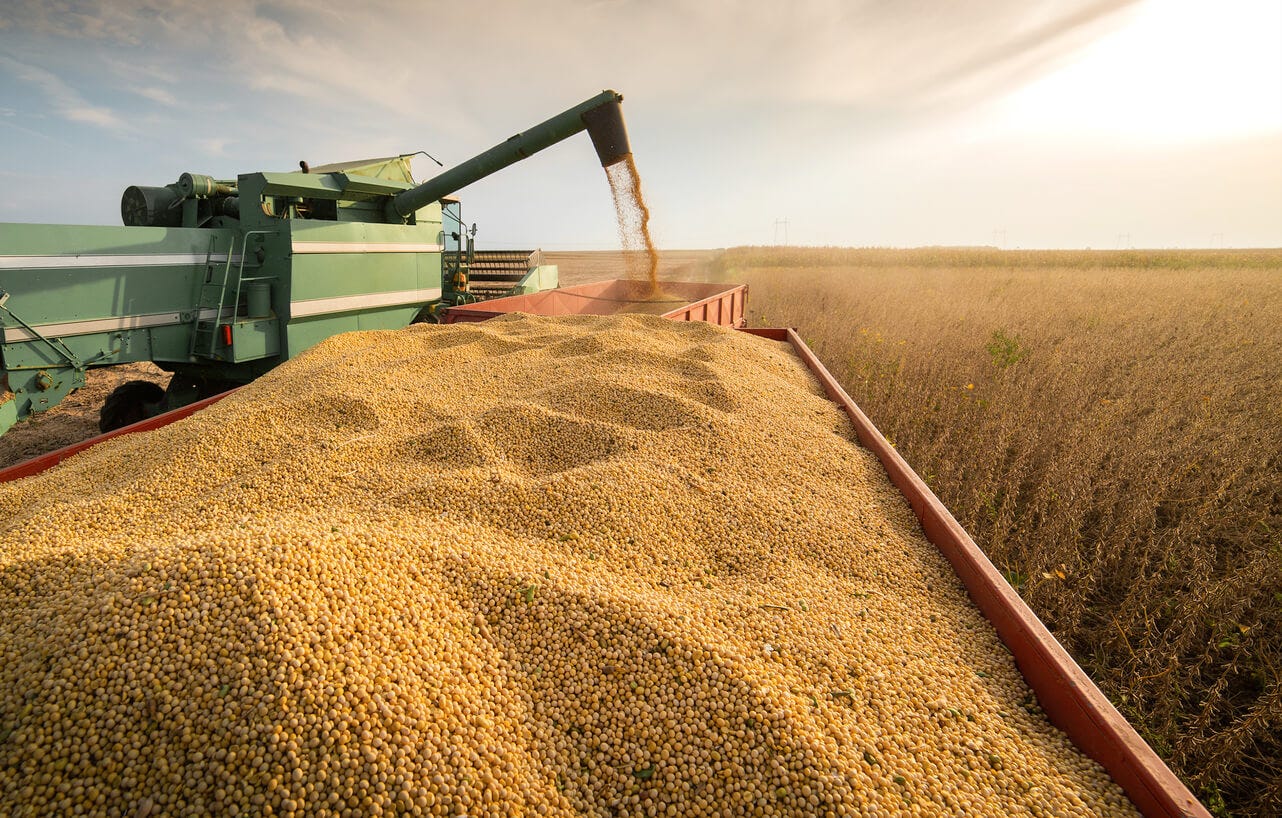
1069	697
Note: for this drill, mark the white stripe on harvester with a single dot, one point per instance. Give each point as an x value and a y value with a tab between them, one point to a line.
156	319
151	260
124	322
323	306
362	247
53	262
299	309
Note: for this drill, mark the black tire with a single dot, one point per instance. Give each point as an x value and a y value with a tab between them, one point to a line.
129	403
187	389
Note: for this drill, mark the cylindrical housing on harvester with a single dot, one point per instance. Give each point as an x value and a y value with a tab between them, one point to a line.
601	116
258	299
200	185
143	206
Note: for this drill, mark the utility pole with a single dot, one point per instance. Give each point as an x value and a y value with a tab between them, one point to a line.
784	222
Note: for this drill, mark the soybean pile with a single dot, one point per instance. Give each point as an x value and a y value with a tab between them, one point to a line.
553	566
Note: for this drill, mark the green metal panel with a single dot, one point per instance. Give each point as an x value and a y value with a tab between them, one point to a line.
101	290
61	273
430	271
170	344
35	390
252	340
327	185
8	410
95	349
543	277
63	239
395	168
354	184
82	296
327	275
346	276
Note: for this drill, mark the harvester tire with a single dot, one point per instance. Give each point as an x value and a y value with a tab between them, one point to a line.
129	403
187	389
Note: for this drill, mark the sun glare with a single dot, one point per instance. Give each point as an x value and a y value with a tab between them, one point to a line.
1179	71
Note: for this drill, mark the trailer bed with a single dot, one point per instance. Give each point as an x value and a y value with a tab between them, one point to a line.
1068	696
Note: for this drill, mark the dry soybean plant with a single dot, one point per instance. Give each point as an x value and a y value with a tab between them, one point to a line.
1109	428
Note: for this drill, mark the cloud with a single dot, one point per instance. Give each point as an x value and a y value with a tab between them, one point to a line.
64	99
31	136
213	146
156	95
81	19
102	117
844	103
872	54
882	55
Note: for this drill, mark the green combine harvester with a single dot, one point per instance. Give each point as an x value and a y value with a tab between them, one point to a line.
218	281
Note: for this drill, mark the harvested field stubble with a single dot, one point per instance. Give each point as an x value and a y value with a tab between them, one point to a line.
560	566
1108	426
76	418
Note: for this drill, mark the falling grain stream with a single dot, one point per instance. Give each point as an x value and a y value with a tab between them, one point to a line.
634	221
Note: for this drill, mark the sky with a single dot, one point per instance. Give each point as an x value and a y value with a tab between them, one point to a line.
1057	123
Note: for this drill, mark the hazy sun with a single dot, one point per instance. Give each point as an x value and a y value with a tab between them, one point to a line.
1179	71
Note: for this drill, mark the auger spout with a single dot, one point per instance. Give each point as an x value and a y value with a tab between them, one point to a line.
601	116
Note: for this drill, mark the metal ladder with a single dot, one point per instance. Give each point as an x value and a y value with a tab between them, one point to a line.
212	306
210	303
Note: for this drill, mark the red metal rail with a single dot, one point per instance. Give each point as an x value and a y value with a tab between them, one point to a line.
725	309
1065	692
721	304
47	461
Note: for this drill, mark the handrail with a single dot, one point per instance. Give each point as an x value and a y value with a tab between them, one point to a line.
240	273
